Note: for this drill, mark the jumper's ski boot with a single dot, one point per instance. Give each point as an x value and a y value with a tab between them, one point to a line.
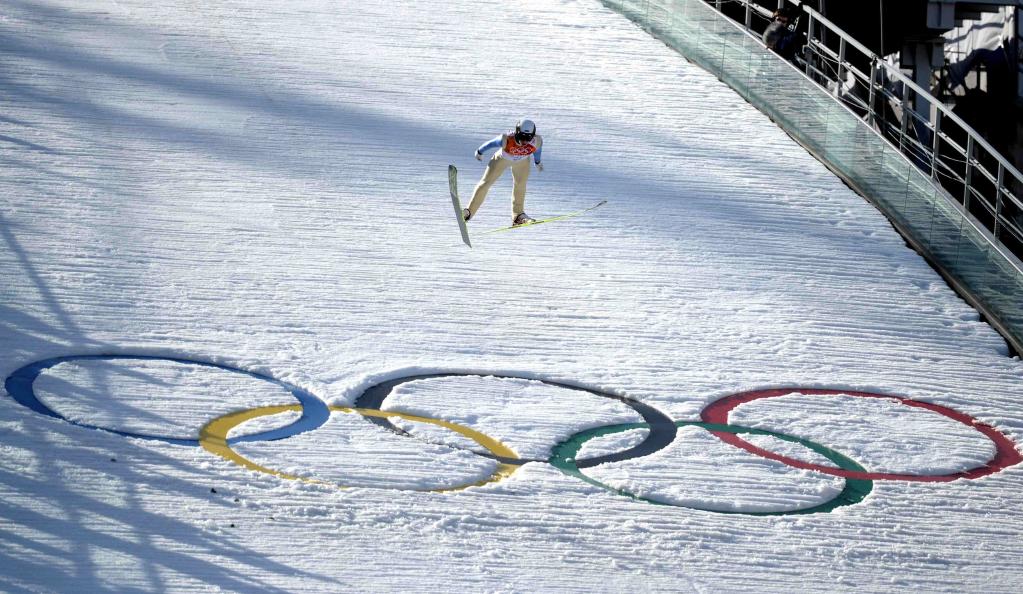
523	219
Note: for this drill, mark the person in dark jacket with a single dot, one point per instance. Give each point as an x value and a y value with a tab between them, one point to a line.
778	37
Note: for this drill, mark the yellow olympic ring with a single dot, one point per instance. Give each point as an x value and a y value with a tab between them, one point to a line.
213	438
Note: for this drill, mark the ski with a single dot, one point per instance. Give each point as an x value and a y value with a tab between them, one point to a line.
548	219
453	184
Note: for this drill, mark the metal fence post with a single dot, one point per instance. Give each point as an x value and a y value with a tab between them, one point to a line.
870	96
841	64
809	42
968	181
905	119
998	200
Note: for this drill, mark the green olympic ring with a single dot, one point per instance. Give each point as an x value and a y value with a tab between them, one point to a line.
563	457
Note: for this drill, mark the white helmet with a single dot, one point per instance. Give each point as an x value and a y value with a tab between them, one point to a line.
525	130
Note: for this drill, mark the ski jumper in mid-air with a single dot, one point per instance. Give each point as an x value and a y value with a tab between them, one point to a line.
515	149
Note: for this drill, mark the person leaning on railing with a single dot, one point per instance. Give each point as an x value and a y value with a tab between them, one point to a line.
778	36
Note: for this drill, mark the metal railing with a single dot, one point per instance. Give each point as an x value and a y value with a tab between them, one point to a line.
853	111
937	141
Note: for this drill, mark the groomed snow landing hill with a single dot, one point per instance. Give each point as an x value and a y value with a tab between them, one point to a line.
244	348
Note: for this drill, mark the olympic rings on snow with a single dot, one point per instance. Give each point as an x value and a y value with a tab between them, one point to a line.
661	431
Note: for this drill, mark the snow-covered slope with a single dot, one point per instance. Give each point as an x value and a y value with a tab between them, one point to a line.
262	186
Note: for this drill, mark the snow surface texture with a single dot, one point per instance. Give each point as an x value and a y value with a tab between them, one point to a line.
263	184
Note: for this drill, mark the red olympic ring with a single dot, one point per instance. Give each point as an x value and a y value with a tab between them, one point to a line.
1006	453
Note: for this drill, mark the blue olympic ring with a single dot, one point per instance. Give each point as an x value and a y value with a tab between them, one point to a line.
314	411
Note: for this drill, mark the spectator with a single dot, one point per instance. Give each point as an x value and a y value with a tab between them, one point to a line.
778	37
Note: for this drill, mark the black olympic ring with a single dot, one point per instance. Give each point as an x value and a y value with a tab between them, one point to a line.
662	427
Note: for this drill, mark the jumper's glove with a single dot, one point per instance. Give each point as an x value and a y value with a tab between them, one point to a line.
479	156
539	166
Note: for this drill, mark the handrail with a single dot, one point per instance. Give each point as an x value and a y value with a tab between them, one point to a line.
896	73
848	39
924	138
926	183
